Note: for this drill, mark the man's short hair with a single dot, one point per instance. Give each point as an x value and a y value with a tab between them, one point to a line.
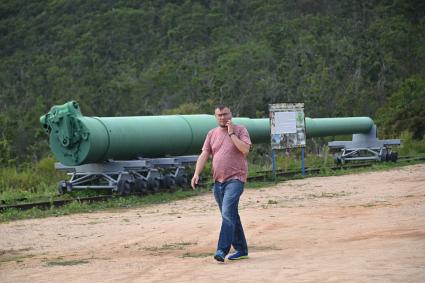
221	106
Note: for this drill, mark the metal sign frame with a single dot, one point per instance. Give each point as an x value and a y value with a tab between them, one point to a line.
287	125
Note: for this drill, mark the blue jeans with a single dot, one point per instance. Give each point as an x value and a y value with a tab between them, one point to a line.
227	195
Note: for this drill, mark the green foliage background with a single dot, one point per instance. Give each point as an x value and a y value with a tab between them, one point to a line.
341	58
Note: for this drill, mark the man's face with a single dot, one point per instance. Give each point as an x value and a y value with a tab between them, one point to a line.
223	116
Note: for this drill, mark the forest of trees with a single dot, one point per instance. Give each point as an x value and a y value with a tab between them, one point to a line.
128	57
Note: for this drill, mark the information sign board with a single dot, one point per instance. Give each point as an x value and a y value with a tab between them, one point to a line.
287	125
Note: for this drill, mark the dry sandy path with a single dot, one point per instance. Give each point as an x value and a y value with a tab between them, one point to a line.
367	227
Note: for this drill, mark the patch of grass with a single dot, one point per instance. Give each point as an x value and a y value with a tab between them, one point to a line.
369	204
263	248
14	255
411	146
376	203
29	181
260	184
12	251
168	247
197	255
328	195
61	262
17	258
94	222
78	207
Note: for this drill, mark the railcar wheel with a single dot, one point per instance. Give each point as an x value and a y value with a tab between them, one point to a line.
125	187
338	160
182	181
62	187
169	182
141	186
154	185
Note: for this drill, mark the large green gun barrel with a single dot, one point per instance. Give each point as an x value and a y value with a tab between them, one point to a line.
323	127
76	139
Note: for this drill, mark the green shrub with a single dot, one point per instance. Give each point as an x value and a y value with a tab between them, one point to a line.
30	180
410	146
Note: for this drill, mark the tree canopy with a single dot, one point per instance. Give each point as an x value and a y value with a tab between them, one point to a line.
341	58
405	110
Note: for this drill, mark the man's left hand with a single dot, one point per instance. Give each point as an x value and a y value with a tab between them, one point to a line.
229	126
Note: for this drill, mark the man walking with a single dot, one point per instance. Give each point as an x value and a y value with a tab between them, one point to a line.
228	145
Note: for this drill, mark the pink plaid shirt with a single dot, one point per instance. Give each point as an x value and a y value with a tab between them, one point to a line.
228	162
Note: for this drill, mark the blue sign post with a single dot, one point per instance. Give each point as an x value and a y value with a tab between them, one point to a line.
302	162
274	164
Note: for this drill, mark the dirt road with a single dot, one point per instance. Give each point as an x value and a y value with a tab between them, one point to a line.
366	227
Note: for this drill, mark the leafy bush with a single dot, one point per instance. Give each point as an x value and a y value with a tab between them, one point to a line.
30	180
405	110
411	146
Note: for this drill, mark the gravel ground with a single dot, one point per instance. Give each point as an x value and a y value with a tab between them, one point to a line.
366	227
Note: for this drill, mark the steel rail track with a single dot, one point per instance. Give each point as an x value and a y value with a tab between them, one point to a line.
263	176
308	171
55	203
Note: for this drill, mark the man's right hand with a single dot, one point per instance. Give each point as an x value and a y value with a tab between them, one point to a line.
194	181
